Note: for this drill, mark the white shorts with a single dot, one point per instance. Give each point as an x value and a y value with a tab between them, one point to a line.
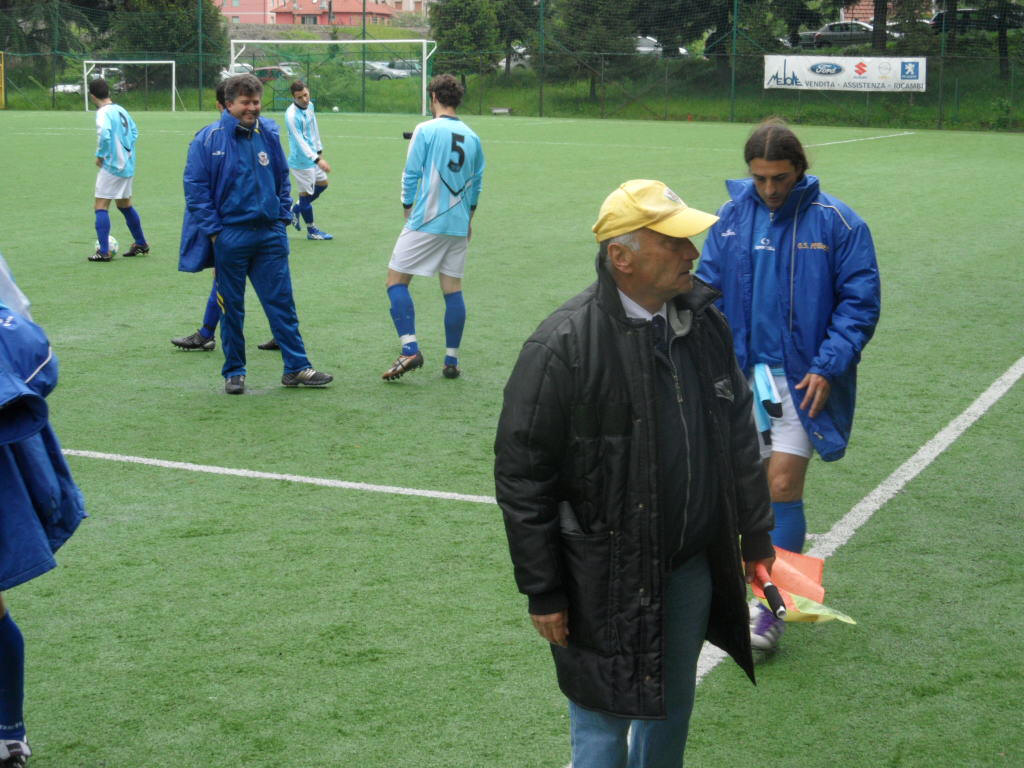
788	434
427	253
305	178
111	187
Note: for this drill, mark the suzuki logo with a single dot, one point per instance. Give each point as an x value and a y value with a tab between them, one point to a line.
861	68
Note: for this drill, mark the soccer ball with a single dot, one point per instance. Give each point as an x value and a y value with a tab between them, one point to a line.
111	242
334	109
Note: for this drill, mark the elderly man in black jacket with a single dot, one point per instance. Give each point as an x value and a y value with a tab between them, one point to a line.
628	472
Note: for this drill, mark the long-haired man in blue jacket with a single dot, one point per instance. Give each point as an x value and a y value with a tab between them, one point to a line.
801	291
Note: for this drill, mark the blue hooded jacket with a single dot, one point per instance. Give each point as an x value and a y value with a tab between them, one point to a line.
830	307
211	167
40	505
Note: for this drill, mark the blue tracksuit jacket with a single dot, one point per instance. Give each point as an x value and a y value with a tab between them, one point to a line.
830	298
40	505
212	165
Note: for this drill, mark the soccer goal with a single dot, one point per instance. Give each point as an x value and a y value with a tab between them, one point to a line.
390	75
132	75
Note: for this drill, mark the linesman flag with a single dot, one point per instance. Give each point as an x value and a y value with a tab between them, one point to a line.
798	582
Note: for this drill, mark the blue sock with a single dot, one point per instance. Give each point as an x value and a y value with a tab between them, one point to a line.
103	230
212	315
454	324
790	525
131	217
403	313
317	191
306	208
12	680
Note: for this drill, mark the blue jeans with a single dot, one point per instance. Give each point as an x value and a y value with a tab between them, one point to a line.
261	254
605	741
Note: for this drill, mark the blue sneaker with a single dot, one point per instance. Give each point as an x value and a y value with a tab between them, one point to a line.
295	217
312	233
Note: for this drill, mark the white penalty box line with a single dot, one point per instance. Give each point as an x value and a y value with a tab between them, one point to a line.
847	526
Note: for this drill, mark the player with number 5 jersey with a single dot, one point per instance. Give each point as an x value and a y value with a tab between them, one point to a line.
440	187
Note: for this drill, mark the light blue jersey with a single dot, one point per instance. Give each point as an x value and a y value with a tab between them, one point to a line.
303	136
116	134
443	176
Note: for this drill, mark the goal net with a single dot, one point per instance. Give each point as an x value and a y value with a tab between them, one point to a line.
350	75
145	79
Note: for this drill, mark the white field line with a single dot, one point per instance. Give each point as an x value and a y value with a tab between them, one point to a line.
254	475
866	138
843	530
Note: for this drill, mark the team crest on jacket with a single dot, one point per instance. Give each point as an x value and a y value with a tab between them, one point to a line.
263	158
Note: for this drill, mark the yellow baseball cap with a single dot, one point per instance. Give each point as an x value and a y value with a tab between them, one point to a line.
644	203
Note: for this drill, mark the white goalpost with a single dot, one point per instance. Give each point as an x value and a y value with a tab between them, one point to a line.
89	65
427	49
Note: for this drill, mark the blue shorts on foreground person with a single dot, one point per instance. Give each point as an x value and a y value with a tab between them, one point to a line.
441	184
802	293
238	203
40	505
629	507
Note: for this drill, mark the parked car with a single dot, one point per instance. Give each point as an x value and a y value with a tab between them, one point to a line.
648	45
238	68
411	66
271	74
67	88
378	70
520	59
974	20
843	33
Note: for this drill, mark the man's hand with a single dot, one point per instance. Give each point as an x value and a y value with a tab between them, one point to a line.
323	164
99	162
553	627
749	568
818	389
406	212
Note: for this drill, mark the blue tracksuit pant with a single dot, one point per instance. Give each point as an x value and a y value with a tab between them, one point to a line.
261	254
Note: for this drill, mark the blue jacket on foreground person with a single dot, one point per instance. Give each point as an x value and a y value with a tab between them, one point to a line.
40	505
213	164
830	297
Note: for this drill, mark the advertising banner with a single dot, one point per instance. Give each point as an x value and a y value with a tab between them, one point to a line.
845	73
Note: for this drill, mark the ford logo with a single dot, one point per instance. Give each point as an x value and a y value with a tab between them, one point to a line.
825	68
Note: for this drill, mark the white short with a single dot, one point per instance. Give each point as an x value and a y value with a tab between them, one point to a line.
111	187
427	253
305	178
788	434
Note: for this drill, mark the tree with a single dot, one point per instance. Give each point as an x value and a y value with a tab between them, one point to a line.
516	20
466	32
592	34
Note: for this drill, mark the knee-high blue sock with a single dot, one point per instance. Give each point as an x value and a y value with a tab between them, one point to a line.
212	315
131	218
103	229
317	191
454	323
790	525
12	680
306	208
403	313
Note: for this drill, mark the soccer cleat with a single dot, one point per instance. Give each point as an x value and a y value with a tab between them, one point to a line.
451	372
137	250
403	365
270	345
235	385
295	217
765	629
195	341
98	256
14	753
312	233
309	377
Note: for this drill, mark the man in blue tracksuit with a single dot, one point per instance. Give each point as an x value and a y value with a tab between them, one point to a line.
801	291
40	505
238	202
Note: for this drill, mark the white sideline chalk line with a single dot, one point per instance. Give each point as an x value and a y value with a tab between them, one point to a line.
253	474
866	138
862	511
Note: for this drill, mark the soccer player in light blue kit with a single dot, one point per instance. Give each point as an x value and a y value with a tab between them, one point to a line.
440	188
306	159
115	156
